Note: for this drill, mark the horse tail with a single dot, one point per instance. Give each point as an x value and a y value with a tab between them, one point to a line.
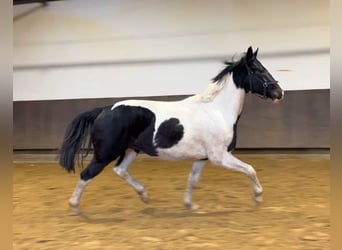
77	138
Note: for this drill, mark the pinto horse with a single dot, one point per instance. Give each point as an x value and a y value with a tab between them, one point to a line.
200	128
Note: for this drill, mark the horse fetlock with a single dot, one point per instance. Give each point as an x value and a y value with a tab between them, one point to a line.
187	200
73	202
258	196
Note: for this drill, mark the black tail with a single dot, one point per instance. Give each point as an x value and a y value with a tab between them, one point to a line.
77	136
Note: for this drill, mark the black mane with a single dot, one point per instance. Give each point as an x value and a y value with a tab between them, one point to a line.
231	65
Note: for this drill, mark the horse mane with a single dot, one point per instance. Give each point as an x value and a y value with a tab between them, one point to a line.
228	69
220	80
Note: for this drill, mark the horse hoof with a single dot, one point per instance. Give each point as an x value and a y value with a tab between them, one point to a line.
74	211
258	198
194	207
191	207
144	197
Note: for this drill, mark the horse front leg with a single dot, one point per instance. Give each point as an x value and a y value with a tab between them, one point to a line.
232	163
193	179
122	171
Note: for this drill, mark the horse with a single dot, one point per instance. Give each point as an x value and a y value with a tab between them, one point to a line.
201	128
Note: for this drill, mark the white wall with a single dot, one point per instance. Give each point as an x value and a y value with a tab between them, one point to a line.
93	49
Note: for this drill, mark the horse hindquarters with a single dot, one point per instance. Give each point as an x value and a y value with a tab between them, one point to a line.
109	141
113	132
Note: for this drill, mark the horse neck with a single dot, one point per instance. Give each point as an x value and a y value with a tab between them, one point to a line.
229	99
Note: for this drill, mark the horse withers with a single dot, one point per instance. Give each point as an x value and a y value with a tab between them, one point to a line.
201	128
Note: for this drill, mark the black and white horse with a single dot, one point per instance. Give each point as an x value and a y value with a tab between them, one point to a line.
201	127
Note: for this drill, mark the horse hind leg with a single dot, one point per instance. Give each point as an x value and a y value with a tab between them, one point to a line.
193	179
93	169
122	171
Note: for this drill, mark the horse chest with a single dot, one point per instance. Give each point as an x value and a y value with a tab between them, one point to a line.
232	144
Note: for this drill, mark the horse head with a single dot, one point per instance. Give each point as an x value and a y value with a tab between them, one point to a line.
257	79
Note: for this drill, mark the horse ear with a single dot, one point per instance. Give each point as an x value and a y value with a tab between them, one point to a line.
249	54
256	52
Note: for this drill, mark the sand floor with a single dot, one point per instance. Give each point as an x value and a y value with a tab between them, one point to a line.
294	214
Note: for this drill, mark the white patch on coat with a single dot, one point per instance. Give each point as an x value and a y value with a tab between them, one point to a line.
74	201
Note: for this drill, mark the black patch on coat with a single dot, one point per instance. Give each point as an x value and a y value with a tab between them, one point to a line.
169	133
124	127
232	144
144	142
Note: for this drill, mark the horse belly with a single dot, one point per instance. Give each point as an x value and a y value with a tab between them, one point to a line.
182	151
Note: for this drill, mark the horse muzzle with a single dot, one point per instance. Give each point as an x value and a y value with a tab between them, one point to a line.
277	96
